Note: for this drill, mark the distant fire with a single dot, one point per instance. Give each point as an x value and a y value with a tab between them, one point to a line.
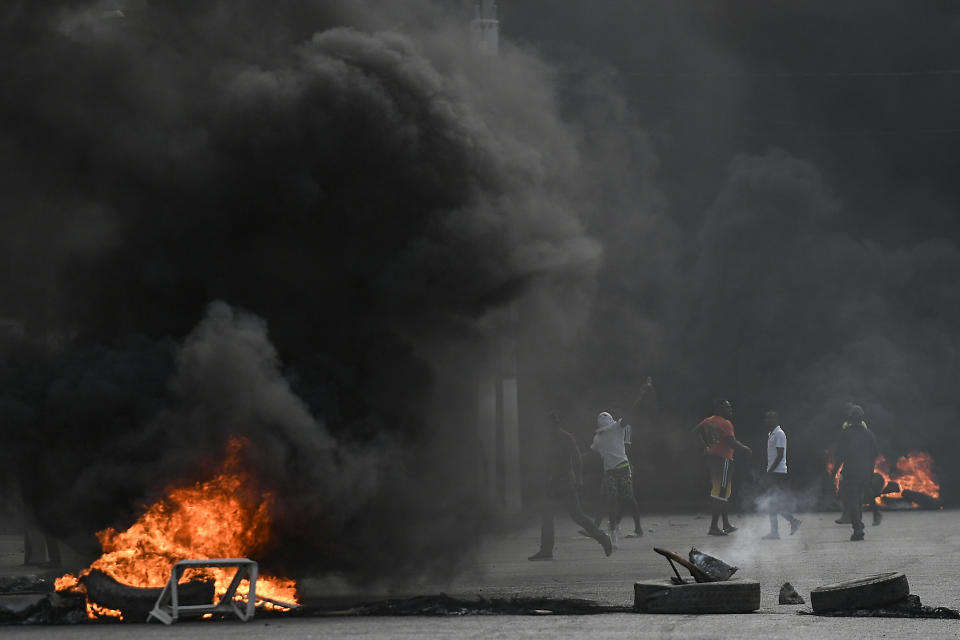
224	517
913	472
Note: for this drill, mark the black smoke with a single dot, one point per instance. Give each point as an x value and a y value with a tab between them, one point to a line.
285	221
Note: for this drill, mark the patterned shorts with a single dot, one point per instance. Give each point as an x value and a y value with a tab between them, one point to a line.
618	483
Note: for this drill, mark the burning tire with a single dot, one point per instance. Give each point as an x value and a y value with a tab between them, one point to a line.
732	596
865	593
135	602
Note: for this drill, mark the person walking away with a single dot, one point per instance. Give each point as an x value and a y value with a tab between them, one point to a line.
856	454
564	479
717	435
778	496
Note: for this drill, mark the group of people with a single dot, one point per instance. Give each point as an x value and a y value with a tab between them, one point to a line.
855	455
565	479
720	443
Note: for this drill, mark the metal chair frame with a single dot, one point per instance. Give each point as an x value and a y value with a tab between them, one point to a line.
168	609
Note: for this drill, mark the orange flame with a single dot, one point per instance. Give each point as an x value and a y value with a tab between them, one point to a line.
914	472
832	469
224	517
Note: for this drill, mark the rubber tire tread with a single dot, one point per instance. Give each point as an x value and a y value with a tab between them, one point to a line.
864	593
731	596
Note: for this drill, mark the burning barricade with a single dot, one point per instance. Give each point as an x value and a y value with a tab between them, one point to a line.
910	484
225	517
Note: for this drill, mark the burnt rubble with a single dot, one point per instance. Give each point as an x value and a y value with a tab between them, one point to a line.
789	595
716	569
28	583
922	500
909	607
444	605
49	608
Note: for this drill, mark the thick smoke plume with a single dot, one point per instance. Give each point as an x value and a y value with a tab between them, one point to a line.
179	179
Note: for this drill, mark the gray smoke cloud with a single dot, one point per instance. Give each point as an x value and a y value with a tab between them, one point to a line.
787	239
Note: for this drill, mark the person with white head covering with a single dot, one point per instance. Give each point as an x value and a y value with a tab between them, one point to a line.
617	485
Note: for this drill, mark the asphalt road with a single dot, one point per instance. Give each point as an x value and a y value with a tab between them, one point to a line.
923	545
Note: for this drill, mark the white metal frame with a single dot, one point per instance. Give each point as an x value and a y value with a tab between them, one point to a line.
168	608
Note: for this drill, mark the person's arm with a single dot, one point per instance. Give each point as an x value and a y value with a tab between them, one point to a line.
736	444
645	388
776	461
701	432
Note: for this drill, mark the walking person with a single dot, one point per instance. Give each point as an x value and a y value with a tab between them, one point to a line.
875	489
856	455
778	496
564	479
719	441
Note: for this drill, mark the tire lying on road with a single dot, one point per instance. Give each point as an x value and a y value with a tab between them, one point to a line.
864	593
662	596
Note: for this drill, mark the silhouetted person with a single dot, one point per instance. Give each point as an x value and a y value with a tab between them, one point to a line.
563	483
874	491
718	438
856	453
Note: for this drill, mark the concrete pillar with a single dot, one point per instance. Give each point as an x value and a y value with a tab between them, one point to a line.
487	436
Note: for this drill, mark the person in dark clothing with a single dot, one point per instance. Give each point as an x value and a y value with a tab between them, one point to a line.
563	483
856	454
875	490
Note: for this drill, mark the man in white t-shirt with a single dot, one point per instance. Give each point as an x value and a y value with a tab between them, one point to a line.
777	496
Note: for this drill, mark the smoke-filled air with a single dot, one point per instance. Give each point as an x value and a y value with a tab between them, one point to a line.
303	224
